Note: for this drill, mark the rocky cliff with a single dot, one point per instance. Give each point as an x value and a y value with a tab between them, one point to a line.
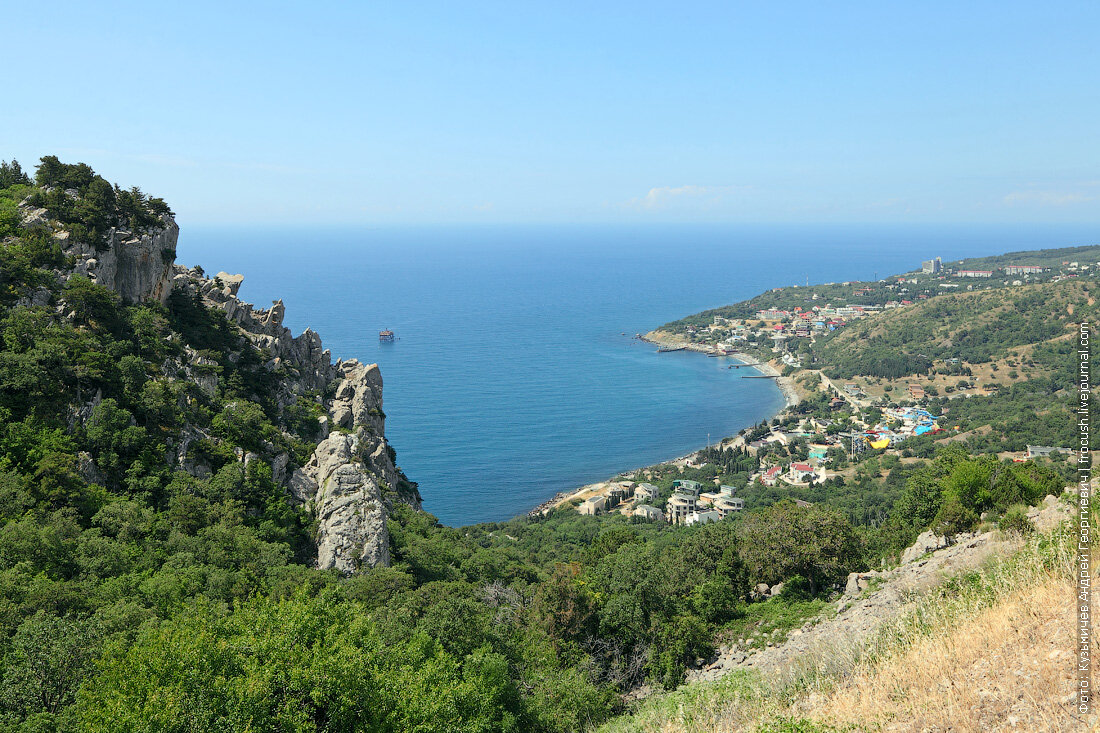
136	265
350	483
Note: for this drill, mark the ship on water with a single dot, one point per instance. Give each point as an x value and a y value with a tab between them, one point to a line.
386	336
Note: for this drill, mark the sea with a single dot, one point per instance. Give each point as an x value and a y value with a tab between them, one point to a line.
514	374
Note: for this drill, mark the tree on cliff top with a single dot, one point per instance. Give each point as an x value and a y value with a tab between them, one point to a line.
11	174
97	205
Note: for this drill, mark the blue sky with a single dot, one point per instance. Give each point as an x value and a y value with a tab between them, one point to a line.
417	112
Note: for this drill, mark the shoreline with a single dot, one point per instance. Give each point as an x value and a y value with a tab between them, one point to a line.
786	389
785	384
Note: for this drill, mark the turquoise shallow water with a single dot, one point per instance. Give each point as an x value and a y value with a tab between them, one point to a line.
512	378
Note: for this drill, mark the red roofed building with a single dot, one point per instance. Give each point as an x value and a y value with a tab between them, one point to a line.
800	472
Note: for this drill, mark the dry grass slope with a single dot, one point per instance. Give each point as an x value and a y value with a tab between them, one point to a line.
1007	668
987	651
945	326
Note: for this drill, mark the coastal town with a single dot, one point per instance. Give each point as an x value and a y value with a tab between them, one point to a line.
827	427
781	328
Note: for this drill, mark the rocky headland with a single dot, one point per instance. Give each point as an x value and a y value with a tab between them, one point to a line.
350	482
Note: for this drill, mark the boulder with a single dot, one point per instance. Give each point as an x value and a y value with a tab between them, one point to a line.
858	582
926	542
302	486
1051	515
230	283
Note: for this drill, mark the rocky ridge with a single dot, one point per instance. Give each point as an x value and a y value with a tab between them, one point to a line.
871	599
350	483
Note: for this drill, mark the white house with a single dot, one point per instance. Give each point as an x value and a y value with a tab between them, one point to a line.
728	505
680	506
800	473
593	505
646	492
702	518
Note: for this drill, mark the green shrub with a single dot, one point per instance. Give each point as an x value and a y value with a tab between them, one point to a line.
1015	521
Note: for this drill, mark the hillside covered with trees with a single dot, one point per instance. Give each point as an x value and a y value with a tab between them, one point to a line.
158	573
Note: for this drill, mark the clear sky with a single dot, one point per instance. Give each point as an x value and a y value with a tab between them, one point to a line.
418	112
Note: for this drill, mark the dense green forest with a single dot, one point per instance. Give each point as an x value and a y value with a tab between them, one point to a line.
138	596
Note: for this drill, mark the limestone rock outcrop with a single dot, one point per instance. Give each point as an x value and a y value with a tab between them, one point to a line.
137	266
309	364
350	483
358	399
343	483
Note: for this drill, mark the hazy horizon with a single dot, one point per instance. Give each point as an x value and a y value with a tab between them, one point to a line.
610	113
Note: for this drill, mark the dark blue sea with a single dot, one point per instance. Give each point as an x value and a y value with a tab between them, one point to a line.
514	375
